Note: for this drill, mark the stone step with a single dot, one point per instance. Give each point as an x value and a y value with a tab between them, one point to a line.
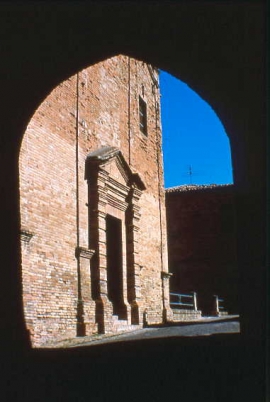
122	325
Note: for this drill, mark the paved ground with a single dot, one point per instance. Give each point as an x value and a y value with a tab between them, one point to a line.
203	327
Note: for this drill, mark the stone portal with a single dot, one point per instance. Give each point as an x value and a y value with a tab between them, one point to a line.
114	213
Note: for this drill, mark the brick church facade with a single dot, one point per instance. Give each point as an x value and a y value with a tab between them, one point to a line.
93	222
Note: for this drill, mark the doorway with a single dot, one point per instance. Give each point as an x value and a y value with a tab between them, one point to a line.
115	265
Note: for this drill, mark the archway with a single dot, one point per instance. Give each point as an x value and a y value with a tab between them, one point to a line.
228	83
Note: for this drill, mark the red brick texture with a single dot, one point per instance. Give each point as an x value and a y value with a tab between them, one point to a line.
202	243
64	206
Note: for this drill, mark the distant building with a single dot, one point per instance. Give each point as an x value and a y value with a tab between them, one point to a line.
201	243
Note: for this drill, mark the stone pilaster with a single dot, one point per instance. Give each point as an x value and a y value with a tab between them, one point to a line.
97	181
167	312
134	288
86	304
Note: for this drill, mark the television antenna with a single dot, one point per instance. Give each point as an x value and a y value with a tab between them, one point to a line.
190	173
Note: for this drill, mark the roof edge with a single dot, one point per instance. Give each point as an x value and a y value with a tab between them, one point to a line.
197	187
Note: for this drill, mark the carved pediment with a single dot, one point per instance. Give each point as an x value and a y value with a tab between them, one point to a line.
116	171
113	162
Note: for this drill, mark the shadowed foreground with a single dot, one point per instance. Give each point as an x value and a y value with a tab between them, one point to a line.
211	368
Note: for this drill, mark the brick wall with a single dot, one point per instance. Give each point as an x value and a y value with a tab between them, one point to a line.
201	243
96	108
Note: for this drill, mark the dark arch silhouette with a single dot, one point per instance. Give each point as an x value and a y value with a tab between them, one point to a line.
218	49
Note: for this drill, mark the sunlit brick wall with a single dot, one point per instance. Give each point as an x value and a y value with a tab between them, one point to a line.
106	101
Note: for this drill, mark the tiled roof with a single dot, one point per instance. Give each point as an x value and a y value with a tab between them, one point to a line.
196	187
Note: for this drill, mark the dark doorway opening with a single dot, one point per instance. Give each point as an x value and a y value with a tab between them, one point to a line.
115	265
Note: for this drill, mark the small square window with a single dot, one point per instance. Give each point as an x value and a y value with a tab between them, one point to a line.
143	116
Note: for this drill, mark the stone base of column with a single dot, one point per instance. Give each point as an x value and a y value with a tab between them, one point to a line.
152	317
86	319
167	315
90	323
136	317
104	314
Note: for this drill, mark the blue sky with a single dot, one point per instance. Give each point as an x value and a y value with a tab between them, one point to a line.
194	138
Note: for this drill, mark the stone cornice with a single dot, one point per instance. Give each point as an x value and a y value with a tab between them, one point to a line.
166	275
26	236
84	252
116	203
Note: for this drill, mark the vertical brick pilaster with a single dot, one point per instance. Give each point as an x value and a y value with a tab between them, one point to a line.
167	312
88	323
133	268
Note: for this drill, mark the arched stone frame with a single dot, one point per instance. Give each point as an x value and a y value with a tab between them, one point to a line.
220	86
114	190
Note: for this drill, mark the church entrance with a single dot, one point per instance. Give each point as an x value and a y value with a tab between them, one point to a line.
115	265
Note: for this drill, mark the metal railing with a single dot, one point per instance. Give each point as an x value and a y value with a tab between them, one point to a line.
218	305
181	300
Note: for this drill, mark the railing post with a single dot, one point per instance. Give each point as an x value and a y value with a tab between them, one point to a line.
195	300
216	305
